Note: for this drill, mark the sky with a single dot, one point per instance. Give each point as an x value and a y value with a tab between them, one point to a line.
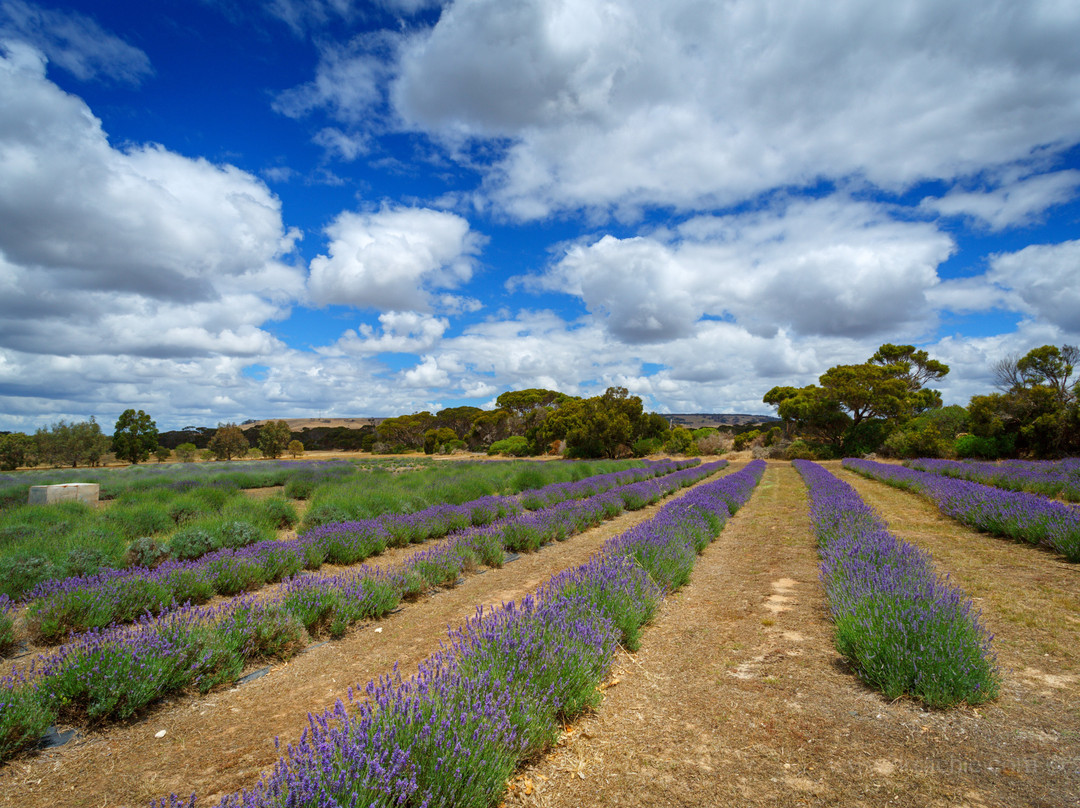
220	210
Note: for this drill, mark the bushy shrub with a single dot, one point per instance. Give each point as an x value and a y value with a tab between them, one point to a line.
925	441
145	552
679	440
237	534
711	444
87	560
514	446
984	448
20	574
189	543
744	439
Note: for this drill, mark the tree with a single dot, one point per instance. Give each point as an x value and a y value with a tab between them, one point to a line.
810	412
296	448
406	430
15	449
135	436
162	453
228	442
488	427
915	367
185	452
866	391
274	437
1037	410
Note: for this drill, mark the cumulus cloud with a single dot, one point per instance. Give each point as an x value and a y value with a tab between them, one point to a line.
831	267
686	103
125	268
74	42
394	258
399	332
1045	278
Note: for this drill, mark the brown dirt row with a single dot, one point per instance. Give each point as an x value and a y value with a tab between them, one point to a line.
738	697
216	744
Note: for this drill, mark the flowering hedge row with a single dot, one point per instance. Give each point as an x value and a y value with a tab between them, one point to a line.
1051	478
905	629
499	690
60	608
110	674
1012	514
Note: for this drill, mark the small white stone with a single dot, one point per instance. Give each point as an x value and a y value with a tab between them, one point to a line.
378	630
159	734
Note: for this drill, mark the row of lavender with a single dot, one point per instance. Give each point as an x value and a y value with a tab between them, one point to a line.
59	608
111	674
905	629
1013	514
1052	478
504	684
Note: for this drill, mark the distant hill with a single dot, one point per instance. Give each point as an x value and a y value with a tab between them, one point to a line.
300	424
697	420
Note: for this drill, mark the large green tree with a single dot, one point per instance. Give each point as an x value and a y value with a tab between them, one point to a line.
16	449
229	441
135	436
854	407
274	437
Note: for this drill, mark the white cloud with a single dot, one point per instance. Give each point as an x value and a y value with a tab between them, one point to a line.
831	267
73	41
686	104
1046	280
129	274
426	376
347	83
394	258
1014	203
400	332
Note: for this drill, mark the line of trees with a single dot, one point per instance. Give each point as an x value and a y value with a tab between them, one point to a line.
884	404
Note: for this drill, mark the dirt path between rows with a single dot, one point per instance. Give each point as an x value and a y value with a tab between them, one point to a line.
217	744
737	696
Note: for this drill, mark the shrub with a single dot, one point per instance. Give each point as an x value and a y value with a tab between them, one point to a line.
20	574
514	446
87	560
985	448
145	552
189	543
185	452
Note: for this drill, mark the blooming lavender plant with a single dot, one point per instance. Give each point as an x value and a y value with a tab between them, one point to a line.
1013	514
60	608
1051	478
200	647
904	628
492	696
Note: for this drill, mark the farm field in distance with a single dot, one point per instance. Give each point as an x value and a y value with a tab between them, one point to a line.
737	694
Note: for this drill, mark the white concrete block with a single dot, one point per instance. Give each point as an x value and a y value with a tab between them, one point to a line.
67	492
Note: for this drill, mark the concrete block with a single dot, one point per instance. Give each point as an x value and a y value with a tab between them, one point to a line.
68	492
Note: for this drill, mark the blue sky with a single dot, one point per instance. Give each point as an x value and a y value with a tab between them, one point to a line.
216	211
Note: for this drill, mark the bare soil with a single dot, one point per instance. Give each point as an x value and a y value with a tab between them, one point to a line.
220	743
737	696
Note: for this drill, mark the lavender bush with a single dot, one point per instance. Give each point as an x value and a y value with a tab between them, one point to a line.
200	647
1052	478
905	629
1013	514
494	695
59	608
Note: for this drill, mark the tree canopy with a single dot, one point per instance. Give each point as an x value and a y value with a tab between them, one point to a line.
135	436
